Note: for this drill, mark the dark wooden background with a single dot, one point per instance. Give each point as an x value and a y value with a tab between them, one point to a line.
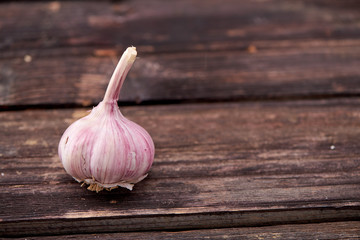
253	107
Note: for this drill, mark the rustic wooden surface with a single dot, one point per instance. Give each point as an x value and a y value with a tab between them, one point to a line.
220	50
253	108
217	165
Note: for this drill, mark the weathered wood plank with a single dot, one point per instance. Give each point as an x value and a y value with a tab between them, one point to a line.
278	70
217	165
63	52
180	25
333	230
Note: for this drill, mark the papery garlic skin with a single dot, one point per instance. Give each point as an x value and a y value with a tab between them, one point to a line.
104	149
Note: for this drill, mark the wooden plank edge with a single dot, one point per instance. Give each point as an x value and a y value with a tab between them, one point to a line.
327	230
273	97
210	220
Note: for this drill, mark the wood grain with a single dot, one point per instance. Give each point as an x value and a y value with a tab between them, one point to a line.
335	230
282	70
217	165
279	167
180	25
63	52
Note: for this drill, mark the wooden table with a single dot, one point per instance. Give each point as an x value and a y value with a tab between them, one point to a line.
253	107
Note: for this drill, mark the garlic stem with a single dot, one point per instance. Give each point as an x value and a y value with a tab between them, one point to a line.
117	79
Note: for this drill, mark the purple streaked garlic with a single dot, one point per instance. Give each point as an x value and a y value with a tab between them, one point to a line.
104	149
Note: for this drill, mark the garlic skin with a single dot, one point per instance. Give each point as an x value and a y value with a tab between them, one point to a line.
104	149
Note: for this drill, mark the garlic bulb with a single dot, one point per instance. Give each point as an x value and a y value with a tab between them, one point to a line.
104	149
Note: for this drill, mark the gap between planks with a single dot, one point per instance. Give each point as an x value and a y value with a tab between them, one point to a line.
332	230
